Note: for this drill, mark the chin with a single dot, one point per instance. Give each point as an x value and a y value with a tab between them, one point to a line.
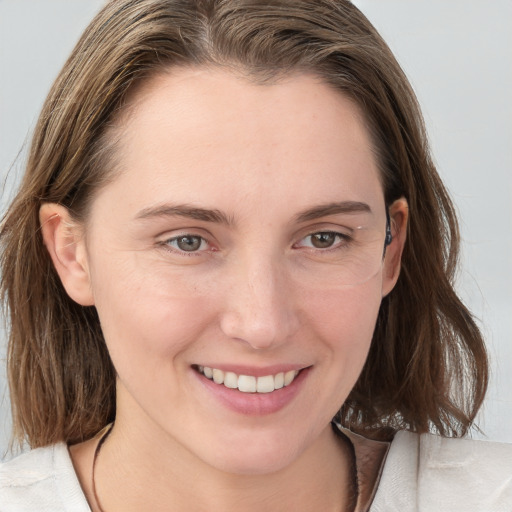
252	463
254	454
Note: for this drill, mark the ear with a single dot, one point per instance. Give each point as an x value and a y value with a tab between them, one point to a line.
64	240
398	215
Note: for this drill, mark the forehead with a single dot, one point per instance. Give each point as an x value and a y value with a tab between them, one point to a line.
215	135
205	99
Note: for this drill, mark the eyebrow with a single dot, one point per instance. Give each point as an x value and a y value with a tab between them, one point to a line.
343	207
219	217
185	210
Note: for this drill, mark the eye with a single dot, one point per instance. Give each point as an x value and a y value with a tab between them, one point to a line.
323	240
187	243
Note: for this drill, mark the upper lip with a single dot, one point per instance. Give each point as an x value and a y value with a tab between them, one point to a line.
255	370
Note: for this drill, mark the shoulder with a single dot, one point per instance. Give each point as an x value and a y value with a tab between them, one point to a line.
430	473
42	479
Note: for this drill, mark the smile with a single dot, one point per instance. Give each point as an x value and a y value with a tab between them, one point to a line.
249	383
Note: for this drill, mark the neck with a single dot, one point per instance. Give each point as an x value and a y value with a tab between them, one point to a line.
134	472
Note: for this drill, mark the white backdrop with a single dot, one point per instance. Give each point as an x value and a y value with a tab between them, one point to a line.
458	56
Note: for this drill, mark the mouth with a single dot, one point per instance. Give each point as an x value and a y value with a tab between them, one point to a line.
249	383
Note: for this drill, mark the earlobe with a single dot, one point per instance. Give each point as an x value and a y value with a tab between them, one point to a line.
398	213
64	241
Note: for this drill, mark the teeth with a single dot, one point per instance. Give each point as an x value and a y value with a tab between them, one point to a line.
265	384
249	383
218	376
288	377
279	381
231	380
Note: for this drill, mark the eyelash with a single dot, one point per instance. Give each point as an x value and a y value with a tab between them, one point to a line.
342	240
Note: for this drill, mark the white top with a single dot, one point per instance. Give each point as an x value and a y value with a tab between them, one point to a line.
41	480
421	473
433	474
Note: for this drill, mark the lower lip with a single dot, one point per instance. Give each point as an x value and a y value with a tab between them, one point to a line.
254	404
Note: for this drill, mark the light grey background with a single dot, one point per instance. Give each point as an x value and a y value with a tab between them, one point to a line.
457	54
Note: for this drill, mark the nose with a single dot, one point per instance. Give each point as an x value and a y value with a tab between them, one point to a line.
259	304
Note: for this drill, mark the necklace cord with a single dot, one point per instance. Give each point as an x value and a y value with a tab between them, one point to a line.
103	438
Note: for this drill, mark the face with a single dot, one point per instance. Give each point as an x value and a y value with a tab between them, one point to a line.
228	245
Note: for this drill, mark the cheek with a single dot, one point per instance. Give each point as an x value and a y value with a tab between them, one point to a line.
145	318
345	320
347	314
339	324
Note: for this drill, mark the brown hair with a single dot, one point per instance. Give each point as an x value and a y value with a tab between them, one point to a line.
427	366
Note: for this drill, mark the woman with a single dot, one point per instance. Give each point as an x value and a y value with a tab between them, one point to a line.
230	231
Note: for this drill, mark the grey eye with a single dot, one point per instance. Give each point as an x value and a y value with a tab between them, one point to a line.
187	243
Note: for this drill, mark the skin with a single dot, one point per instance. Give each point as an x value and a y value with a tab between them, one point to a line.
255	295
